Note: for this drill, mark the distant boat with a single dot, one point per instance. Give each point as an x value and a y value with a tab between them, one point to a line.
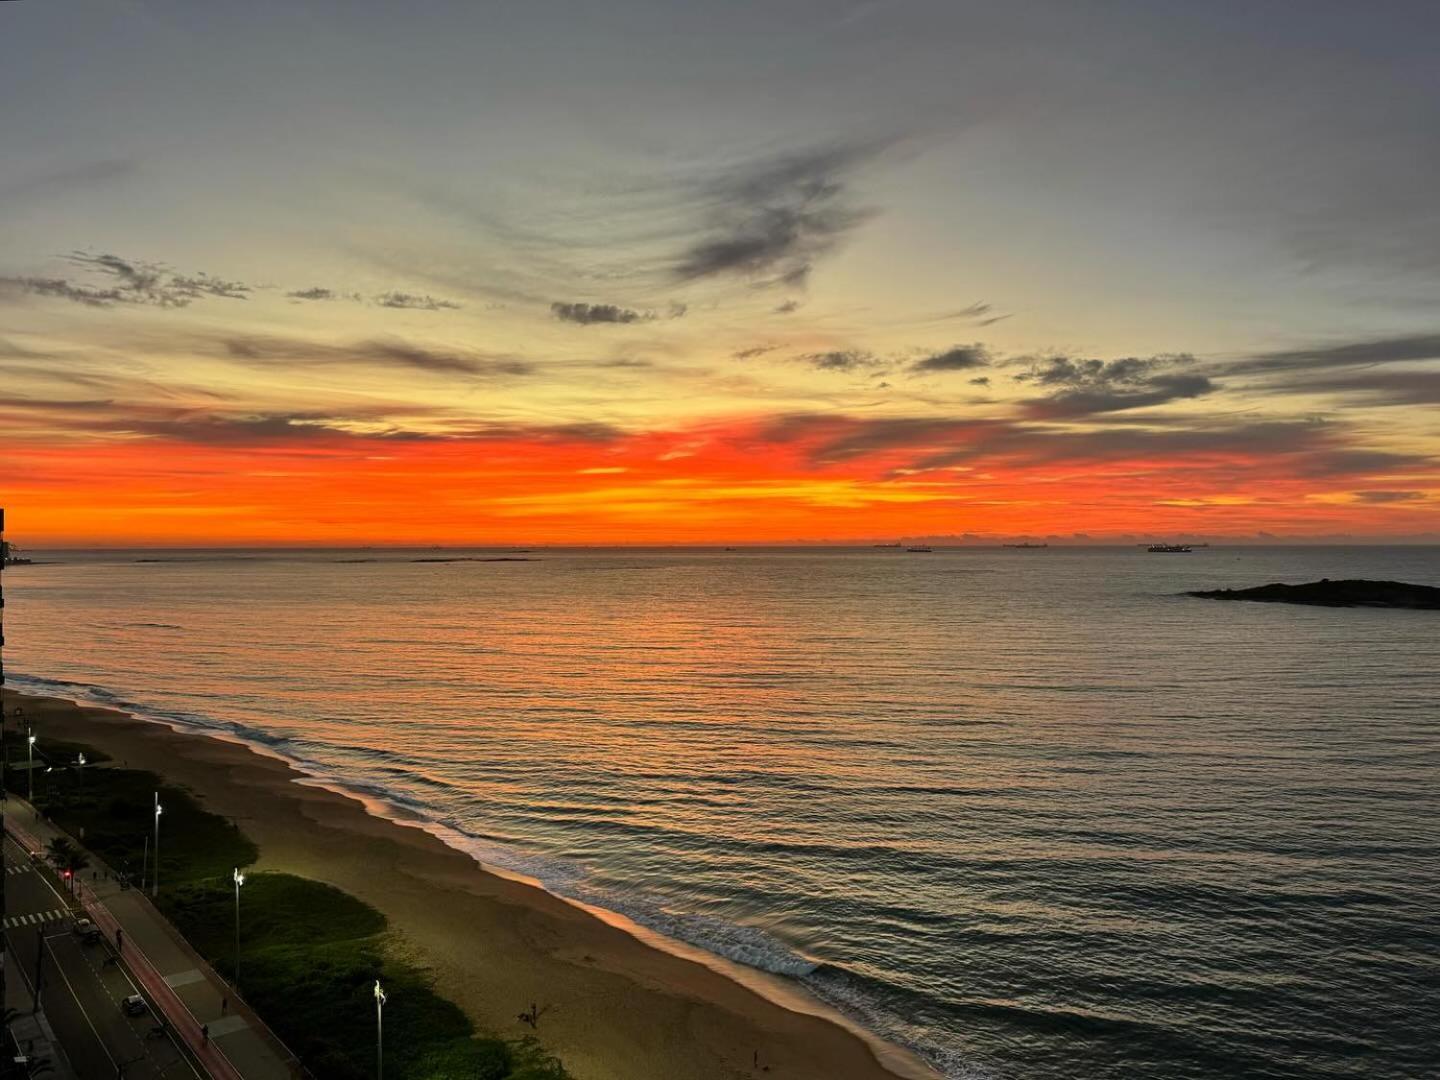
1169	549
1027	545
920	548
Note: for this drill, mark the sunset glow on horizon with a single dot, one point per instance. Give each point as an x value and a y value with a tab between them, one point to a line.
514	293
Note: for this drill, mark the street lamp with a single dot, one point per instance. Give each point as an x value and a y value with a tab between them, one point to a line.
155	891
30	770
239	880
379	1032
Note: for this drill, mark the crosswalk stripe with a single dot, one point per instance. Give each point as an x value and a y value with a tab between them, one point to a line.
34	918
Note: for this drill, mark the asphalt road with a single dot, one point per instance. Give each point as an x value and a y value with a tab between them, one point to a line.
80	992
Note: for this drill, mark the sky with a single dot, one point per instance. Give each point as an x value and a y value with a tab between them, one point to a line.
757	271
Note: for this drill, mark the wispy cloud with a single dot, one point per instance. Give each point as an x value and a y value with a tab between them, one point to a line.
769	222
843	360
383	352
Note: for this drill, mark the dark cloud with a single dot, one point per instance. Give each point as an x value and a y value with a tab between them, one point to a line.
959	358
382	352
754	351
412	302
789	307
591	314
768	223
982	380
1374	388
1088	387
1389	350
63	289
918	444
221	429
1390	496
318	292
132	282
842	360
151	283
833	439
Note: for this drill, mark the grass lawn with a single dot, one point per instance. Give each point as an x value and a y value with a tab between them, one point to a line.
310	953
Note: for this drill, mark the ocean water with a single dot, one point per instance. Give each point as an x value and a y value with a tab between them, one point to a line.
1030	813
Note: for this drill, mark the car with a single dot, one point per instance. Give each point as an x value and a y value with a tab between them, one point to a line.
135	1005
87	931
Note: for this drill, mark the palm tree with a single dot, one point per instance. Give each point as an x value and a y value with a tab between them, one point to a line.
66	856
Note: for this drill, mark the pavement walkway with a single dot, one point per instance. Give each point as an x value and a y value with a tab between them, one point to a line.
221	1031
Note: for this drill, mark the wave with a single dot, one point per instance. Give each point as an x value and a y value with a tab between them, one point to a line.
849	996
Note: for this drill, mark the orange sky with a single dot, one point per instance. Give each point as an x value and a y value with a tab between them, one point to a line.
748	272
747	480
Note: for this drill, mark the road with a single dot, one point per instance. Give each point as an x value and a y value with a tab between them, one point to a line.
80	991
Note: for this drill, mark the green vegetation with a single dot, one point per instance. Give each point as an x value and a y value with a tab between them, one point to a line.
310	953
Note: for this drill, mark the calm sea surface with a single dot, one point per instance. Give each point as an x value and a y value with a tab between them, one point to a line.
1029	812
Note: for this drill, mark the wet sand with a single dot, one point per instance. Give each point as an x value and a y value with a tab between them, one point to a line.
619	1008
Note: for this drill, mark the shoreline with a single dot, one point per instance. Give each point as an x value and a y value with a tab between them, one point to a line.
627	1003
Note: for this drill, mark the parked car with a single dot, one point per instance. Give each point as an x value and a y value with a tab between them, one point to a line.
134	1005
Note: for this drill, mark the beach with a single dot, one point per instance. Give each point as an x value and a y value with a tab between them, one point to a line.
616	1008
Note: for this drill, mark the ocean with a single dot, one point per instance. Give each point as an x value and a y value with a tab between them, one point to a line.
1031	813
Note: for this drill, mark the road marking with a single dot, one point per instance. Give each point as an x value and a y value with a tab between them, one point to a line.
34	918
60	968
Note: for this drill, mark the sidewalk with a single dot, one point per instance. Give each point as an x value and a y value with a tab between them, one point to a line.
177	981
31	1031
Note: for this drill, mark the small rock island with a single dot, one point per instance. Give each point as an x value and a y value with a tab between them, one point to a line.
1355	592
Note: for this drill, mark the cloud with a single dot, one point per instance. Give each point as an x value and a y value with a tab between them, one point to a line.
770	222
959	358
381	352
842	360
590	314
1389	350
151	283
909	445
754	351
787	308
982	380
1087	387
412	302
1390	496
63	289
318	292
133	282
1374	388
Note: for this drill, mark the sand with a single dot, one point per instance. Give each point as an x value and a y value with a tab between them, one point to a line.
619	1007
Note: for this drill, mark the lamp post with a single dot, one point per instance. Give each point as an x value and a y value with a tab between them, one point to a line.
379	1032
239	880
155	890
80	768
30	765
